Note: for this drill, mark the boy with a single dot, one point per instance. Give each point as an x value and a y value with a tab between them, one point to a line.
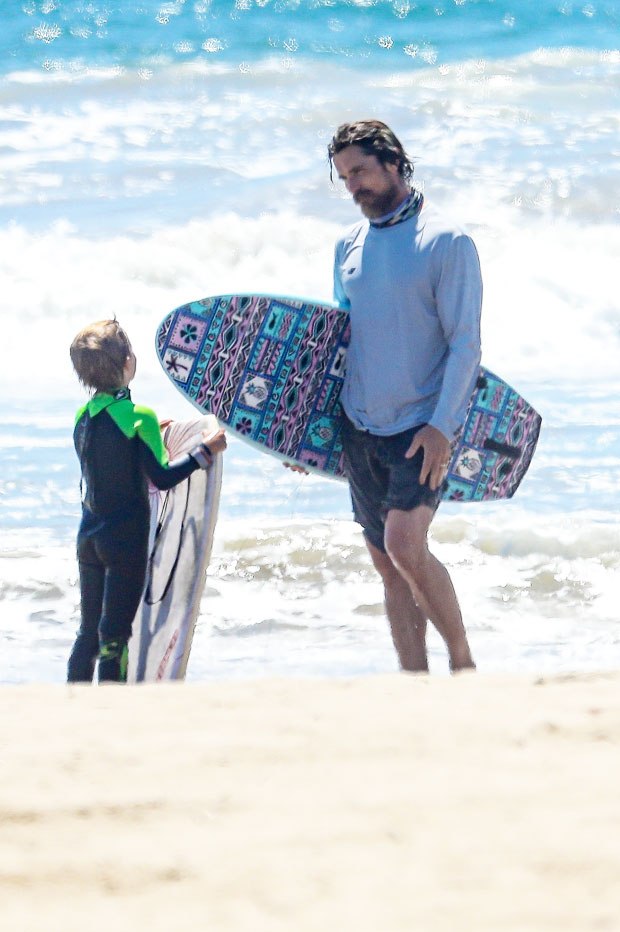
120	447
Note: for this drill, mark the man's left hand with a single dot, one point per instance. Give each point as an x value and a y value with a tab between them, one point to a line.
436	449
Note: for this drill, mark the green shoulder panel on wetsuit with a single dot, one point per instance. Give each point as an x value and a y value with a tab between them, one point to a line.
131	419
80	414
148	429
96	404
101	401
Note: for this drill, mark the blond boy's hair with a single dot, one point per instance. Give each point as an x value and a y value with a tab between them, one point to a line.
99	353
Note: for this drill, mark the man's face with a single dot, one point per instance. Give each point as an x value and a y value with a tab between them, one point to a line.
377	189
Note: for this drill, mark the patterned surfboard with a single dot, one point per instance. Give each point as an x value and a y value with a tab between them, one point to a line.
271	368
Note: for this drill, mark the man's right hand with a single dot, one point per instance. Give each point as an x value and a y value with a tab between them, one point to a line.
436	450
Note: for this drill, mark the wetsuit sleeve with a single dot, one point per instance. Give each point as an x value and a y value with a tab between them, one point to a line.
165	477
79	415
153	455
147	427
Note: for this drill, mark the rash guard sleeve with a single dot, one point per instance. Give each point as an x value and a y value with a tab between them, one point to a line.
459	301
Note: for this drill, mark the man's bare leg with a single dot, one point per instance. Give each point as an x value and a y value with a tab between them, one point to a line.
407	621
406	543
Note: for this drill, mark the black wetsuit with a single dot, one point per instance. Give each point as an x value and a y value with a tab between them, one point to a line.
119	446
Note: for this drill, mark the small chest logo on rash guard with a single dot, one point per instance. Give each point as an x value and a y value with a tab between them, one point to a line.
351	270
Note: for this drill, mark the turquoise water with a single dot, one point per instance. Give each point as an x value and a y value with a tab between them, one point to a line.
379	34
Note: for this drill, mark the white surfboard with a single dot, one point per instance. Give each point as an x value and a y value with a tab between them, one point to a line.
182	526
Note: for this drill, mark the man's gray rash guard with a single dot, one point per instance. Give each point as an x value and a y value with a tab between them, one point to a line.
414	293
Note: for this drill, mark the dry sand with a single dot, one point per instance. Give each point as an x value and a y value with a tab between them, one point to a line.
377	805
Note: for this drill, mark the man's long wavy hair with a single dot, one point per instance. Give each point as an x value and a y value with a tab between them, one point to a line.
375	138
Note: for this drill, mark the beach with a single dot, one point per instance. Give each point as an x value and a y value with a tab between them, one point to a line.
379	803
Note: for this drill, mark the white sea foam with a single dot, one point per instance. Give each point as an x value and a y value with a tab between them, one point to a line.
548	313
530	133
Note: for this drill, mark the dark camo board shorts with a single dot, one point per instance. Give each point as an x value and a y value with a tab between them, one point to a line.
380	478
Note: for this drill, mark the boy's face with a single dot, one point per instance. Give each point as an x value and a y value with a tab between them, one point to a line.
130	367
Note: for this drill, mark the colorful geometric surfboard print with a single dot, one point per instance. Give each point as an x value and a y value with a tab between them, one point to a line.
272	368
495	446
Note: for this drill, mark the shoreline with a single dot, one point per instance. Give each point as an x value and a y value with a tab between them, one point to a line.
381	803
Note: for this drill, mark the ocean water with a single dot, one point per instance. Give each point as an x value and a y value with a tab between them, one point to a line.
157	152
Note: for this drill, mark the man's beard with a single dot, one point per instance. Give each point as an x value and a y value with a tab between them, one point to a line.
378	205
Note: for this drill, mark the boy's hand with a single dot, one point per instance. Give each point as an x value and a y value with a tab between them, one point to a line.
216	440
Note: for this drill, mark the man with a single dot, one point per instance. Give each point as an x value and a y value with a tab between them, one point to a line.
413	288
